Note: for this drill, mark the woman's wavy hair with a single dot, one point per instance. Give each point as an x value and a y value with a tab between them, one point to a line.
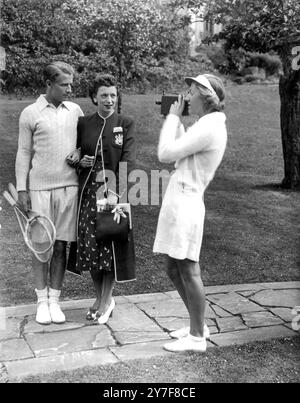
104	80
213	102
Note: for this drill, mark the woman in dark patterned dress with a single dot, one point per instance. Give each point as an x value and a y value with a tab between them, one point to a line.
105	139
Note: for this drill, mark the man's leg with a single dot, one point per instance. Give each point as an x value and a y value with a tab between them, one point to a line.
58	265
40	203
57	271
40	271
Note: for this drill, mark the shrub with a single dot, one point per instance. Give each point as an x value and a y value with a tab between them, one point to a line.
250	78
24	71
235	60
270	62
218	57
226	61
168	75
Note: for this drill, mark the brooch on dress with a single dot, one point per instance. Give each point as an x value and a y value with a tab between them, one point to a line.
118	136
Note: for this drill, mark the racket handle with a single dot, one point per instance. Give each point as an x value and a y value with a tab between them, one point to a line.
9	198
13	191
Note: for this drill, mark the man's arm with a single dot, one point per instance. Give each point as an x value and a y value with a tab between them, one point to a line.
23	159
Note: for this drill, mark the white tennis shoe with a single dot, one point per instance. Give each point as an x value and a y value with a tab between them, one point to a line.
42	314
187	343
56	313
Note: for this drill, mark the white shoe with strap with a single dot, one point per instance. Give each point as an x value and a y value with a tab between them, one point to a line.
103	318
184	331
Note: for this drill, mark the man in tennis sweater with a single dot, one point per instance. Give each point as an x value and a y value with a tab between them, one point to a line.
47	180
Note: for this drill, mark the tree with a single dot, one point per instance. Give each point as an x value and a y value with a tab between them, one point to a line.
135	32
36	31
264	26
125	38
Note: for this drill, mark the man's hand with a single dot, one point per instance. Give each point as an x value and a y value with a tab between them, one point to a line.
87	161
73	158
24	201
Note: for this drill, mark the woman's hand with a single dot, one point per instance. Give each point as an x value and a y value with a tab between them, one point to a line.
87	161
178	106
118	213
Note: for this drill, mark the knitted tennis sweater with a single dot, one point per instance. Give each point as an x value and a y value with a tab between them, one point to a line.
46	136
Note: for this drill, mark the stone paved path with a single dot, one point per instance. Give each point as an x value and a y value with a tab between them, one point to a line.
140	326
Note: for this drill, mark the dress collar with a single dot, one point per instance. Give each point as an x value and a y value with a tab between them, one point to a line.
106	116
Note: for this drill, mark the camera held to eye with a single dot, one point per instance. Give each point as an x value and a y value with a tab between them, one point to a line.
167	101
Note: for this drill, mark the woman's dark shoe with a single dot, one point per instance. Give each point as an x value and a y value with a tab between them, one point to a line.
92	314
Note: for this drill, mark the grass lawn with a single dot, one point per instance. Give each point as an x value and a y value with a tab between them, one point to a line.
276	361
252	227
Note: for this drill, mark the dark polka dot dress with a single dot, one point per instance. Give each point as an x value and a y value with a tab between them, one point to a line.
92	255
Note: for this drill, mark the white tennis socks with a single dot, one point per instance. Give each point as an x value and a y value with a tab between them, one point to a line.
42	314
56	313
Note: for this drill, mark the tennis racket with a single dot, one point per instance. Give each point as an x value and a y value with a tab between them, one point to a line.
13	191
38	230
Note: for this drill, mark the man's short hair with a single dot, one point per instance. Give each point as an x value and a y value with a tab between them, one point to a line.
102	80
55	69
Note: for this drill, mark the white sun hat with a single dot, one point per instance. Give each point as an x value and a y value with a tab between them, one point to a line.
203	81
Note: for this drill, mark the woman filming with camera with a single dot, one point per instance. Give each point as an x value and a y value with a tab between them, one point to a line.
197	153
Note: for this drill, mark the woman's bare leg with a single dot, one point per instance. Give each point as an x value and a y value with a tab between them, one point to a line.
175	276
97	277
195	293
107	290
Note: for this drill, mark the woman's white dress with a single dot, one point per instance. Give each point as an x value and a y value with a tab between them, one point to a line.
198	153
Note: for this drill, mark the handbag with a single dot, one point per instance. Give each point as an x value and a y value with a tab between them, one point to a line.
108	230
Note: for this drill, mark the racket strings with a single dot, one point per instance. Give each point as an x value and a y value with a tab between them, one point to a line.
40	234
38	231
22	219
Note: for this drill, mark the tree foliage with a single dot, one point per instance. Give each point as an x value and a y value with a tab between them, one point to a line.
255	25
126	38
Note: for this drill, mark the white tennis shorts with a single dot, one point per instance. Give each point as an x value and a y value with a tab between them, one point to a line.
60	205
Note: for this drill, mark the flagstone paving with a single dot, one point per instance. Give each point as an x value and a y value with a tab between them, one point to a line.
140	326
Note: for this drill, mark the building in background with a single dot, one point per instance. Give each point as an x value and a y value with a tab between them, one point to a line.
200	29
